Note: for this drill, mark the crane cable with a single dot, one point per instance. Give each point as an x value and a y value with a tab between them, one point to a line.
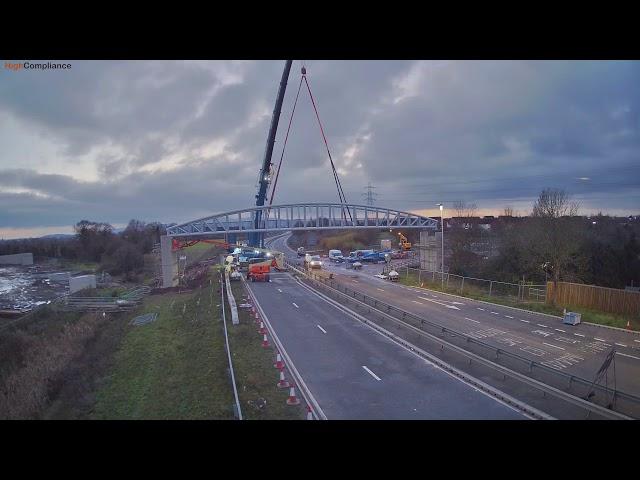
341	195
275	182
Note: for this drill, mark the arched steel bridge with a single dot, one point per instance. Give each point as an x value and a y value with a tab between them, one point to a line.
302	216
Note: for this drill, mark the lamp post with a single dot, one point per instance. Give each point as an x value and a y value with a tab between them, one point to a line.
442	223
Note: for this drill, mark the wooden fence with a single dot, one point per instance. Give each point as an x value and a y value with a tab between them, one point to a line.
611	300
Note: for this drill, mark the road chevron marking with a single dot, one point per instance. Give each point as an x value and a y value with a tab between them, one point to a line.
439	303
295	305
323	330
554	346
371	373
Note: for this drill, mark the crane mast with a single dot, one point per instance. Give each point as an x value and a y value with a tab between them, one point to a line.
256	238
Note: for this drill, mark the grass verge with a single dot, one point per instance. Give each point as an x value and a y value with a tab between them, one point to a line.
175	367
256	377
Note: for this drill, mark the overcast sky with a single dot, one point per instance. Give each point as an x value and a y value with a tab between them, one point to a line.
173	141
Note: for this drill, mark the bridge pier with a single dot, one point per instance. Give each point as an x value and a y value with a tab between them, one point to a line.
169	263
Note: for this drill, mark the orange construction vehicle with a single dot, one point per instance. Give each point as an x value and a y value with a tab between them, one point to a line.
404	244
259	272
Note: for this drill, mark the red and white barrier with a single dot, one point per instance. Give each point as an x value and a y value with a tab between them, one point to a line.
265	341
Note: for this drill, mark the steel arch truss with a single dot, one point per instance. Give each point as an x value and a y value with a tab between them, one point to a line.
302	216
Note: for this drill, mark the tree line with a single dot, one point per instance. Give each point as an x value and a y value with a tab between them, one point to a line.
116	253
551	243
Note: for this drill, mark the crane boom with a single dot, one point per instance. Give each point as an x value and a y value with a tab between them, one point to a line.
255	239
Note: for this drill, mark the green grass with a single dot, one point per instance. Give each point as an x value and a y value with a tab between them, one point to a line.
255	374
588	315
78	266
173	368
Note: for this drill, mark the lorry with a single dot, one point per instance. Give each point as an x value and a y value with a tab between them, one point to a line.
259	272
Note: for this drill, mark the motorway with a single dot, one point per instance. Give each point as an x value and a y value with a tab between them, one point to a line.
356	373
578	350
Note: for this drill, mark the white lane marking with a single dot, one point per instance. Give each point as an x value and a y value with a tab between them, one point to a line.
625	355
379	289
371	373
599	339
637	341
356	281
480	308
419	303
471	320
296	305
579	334
439	303
495	313
554	346
525	321
558	330
540	325
508	316
621	344
280	290
323	330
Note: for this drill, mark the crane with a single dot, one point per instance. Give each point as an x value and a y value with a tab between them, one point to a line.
264	178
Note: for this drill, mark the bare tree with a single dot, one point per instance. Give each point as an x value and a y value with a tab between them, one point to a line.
464	209
555	236
508	211
554	203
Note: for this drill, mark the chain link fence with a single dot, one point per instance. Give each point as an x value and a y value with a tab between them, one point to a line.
522	292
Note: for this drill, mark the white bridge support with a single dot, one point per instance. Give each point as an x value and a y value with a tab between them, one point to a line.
169	263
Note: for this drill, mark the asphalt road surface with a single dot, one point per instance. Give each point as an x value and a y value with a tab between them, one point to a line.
357	373
576	349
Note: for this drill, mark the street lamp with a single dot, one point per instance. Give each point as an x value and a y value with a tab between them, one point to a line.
442	223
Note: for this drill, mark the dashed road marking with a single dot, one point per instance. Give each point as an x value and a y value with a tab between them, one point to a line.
599	339
356	281
280	290
508	316
540	325
621	344
558	330
439	303
379	289
419	303
637	341
296	305
525	321
579	334
495	313
551	345
471	320
371	373
323	330
625	355
480	308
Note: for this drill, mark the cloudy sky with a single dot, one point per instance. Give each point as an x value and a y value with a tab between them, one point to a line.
172	141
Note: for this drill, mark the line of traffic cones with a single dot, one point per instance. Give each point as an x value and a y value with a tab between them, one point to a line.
265	341
262	330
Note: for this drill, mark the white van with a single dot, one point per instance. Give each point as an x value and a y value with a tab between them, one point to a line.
335	256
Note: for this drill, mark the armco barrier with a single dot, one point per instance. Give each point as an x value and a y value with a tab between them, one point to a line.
625	403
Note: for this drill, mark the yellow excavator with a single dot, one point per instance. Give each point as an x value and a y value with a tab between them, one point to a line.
404	244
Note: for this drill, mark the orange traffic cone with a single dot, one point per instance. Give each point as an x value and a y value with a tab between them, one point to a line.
293	400
262	329
265	342
309	414
282	383
628	324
